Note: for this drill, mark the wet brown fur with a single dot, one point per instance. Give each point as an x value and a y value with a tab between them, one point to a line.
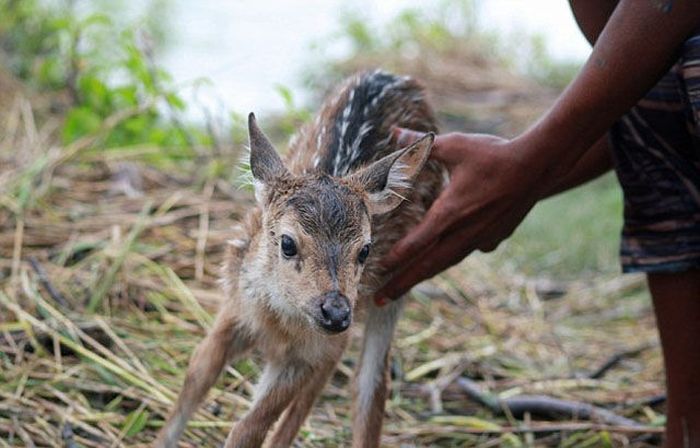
330	219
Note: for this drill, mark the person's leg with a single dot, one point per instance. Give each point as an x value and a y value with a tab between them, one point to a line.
677	305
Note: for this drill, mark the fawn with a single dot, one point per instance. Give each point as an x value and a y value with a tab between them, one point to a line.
306	260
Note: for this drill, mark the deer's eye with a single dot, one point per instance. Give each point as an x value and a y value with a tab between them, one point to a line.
364	253
289	248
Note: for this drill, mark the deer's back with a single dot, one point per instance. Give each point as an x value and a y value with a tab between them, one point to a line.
353	126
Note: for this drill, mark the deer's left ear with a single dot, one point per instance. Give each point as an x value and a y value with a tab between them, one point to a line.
265	164
388	180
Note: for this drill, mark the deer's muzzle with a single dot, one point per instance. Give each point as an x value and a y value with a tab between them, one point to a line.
336	313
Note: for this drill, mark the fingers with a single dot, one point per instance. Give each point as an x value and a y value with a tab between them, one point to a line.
404	278
429	263
405	137
485	235
436	220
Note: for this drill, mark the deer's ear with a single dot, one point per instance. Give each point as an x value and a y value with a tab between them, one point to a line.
388	180
265	164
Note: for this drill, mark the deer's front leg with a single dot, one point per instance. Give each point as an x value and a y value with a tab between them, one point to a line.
371	376
279	384
294	416
225	340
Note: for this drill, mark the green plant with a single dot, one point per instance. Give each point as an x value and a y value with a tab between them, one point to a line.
438	26
31	39
294	116
446	27
104	68
140	83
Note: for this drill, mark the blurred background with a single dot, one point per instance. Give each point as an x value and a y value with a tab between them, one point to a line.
247	49
121	133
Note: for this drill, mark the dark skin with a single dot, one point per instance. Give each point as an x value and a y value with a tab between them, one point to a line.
495	182
677	304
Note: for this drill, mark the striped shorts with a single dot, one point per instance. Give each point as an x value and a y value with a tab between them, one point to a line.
656	148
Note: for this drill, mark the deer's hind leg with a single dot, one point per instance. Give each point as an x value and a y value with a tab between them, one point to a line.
372	374
225	341
288	426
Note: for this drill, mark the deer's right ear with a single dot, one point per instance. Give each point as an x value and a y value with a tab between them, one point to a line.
389	179
265	164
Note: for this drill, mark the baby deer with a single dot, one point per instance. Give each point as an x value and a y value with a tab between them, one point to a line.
306	261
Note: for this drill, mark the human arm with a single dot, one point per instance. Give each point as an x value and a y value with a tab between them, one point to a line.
495	182
596	161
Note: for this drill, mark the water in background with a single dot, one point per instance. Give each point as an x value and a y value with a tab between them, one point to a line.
246	48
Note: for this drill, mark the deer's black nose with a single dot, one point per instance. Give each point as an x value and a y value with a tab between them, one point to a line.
336	314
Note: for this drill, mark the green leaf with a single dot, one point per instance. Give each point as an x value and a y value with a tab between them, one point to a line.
466	421
175	101
95	19
125	96
51	73
286	95
135	422
605	440
94	94
80	121
510	440
114	404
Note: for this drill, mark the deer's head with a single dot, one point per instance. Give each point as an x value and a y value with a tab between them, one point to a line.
316	236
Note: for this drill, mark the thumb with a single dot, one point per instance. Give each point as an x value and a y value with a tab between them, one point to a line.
441	146
405	137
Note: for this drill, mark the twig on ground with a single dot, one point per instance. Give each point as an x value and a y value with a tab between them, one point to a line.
654	400
540	428
47	284
437	387
542	405
615	360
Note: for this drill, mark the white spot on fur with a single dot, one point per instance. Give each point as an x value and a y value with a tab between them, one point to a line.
237	243
260	190
319	142
343	152
293	140
351	96
365	128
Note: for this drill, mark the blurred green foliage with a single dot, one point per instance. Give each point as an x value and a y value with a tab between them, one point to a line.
30	38
443	26
440	25
103	68
294	115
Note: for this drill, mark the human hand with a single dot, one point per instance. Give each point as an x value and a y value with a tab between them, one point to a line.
491	189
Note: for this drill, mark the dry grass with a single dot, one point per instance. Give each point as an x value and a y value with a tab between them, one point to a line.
108	274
